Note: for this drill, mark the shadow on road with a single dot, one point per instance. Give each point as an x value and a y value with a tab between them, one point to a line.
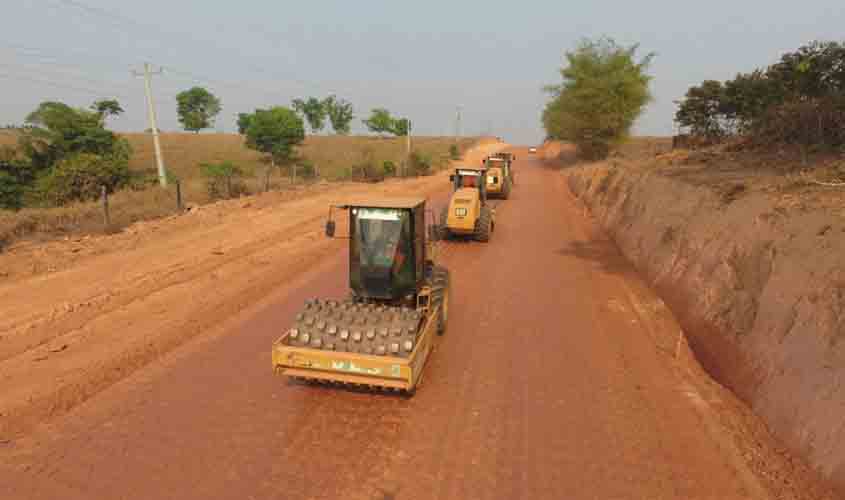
602	252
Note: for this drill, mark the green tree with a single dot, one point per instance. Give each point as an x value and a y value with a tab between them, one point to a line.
340	114
380	122
604	91
243	122
12	180
401	127
703	110
56	130
314	112
276	132
106	108
81	177
197	108
65	154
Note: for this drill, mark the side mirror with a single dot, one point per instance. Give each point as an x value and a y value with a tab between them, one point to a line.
452	178
330	227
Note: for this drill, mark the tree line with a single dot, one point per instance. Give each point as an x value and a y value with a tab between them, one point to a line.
799	100
67	154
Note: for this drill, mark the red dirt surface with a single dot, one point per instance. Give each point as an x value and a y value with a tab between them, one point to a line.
81	314
561	376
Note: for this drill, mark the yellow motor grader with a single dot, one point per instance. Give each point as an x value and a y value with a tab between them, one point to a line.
383	333
468	213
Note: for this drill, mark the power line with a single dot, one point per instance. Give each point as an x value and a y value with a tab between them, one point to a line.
125	21
55	54
97	11
52	73
129	27
48	83
42	55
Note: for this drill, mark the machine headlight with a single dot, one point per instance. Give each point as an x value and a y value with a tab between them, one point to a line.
461	212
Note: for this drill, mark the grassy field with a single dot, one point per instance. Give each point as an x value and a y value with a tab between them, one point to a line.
334	157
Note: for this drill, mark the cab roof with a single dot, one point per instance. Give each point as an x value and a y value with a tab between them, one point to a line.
382	202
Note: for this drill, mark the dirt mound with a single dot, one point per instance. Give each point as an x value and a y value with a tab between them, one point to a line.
752	265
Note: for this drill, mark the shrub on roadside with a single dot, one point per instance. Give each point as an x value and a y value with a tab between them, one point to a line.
10	192
223	179
306	169
81	177
389	168
454	152
420	164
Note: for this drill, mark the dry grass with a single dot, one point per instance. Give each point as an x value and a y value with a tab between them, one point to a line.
334	157
8	138
125	208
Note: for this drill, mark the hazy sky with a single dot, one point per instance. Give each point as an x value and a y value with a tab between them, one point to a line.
419	59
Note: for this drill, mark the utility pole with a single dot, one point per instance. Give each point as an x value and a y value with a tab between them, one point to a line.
457	123
151	112
408	148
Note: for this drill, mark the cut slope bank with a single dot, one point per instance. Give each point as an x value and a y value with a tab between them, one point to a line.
753	265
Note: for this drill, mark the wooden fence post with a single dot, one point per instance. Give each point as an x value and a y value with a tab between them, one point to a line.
104	194
179	195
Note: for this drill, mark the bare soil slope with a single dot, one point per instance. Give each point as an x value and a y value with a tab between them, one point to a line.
749	255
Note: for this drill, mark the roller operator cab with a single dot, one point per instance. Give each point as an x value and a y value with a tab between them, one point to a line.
386	255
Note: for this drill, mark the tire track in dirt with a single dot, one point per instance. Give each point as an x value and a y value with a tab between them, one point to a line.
121	311
538	390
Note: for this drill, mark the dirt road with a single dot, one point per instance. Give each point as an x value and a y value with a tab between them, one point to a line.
561	376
